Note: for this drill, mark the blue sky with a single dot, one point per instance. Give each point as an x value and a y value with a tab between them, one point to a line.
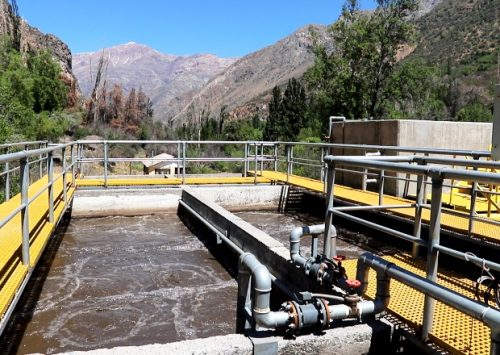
227	28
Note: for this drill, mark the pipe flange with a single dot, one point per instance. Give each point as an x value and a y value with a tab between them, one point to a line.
326	312
294	315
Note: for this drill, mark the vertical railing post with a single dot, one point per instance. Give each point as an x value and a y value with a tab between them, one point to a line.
275	157
80	157
64	176
183	162
178	160
40	157
322	162
472	210
432	253
73	164
105	164
417	227
381	180
261	158
288	162
50	173
329	243
256	151
7	179
25	227
245	163
291	159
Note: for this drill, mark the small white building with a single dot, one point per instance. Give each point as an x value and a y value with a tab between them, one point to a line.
161	164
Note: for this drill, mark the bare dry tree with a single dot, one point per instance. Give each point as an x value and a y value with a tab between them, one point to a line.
92	106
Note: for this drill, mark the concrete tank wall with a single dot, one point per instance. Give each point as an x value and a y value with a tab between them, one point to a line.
408	133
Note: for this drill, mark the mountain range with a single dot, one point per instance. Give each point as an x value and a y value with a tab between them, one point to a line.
162	77
183	89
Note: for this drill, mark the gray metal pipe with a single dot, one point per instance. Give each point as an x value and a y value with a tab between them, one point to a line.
299	232
261	301
487	315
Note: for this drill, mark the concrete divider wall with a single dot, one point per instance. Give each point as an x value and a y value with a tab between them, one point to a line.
268	250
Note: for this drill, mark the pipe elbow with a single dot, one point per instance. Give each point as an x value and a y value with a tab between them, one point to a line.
271	320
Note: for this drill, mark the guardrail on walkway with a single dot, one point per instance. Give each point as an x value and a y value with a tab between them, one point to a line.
437	174
28	219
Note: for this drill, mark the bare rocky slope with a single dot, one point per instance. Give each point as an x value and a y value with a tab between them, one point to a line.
244	87
33	40
162	77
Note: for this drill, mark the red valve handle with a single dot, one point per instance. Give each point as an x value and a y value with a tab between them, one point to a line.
353	283
339	257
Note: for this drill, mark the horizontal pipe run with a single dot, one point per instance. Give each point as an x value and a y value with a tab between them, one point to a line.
487	315
378	227
468	257
368	208
228	241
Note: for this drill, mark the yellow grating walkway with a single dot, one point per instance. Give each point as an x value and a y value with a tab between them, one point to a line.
452	330
459	224
12	271
142	181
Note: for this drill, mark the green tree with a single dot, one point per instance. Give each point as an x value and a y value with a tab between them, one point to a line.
49	92
352	80
294	107
274	120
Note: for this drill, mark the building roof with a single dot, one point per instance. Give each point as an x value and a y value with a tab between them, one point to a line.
158	161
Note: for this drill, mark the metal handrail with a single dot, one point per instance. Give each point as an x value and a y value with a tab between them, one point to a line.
437	174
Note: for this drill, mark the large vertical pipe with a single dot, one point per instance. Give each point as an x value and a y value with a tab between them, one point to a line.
432	252
25	227
50	172
330	248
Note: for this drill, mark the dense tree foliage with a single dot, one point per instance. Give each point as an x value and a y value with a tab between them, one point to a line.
32	95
